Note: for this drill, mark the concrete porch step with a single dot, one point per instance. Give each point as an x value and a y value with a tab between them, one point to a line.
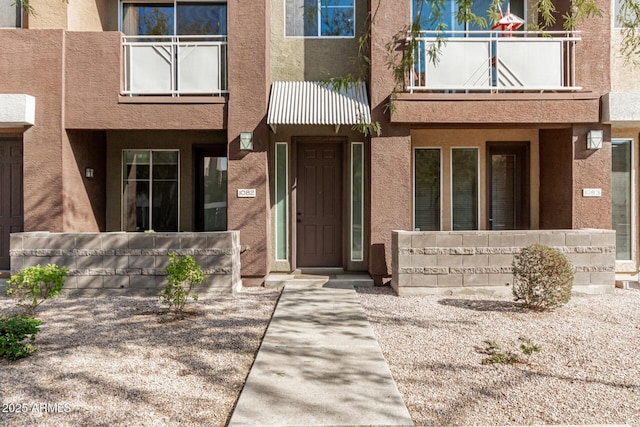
341	280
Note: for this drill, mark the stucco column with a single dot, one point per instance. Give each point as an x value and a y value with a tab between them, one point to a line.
591	170
36	69
391	195
248	62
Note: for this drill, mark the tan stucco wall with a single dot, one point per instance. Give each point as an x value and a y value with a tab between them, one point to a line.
624	74
478	138
132	140
90	15
49	14
74	15
299	58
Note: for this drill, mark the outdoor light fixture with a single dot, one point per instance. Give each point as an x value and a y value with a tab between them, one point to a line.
246	141
88	172
594	139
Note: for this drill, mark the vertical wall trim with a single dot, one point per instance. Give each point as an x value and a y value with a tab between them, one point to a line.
282	201
357	181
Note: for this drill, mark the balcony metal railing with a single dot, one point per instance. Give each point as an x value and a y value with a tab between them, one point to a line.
494	61
174	65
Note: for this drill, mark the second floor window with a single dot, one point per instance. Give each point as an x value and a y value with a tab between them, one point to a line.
178	18
448	17
320	18
10	14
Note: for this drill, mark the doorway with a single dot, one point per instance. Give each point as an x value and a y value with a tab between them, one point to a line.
210	168
11	194
319	203
508	186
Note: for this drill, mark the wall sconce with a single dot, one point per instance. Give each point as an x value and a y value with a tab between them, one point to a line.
594	139
246	141
88	172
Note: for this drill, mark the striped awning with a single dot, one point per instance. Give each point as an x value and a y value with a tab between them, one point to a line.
318	103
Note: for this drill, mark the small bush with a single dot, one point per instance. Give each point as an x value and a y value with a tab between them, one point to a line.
543	277
32	285
17	335
183	274
495	354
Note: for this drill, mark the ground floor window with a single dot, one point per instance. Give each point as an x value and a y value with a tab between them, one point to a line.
621	196
446	177
150	190
427	189
10	14
464	188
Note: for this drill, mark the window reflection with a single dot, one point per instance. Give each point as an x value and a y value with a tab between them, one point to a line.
180	19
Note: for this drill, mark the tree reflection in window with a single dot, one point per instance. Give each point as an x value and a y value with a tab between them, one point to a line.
320	18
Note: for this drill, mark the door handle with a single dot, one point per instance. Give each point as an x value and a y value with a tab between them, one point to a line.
299	218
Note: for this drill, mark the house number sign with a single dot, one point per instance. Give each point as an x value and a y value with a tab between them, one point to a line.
591	192
246	192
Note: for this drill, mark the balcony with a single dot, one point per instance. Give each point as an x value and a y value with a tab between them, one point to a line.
174	65
494	62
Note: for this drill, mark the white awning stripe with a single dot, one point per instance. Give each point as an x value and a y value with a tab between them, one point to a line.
318	103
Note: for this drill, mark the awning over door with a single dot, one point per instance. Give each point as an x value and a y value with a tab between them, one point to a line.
17	110
318	103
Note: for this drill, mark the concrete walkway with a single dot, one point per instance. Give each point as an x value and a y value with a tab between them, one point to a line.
320	365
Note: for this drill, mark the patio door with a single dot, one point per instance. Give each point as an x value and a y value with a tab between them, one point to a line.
210	167
319	204
508	186
11	206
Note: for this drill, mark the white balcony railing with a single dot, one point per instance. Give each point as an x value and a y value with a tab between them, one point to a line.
174	65
492	61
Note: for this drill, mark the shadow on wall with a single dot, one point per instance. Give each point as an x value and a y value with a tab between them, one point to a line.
378	263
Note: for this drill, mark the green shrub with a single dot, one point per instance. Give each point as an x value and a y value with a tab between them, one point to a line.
543	277
495	354
32	285
17	335
183	274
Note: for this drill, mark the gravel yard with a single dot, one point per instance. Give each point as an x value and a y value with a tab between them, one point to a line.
588	370
116	361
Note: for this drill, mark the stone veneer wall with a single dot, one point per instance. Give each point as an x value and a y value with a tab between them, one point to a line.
459	262
121	261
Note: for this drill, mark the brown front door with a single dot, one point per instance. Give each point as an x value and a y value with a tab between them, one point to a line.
11	219
319	205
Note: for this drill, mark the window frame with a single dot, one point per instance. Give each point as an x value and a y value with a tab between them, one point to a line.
174	5
122	185
441	158
478	190
319	36
628	264
466	24
20	16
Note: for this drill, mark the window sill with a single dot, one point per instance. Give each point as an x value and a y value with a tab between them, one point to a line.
172	99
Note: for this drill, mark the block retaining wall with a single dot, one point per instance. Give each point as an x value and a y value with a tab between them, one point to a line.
130	261
459	262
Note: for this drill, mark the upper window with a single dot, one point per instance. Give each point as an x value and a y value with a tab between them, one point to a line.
10	14
320	18
446	18
178	18
627	14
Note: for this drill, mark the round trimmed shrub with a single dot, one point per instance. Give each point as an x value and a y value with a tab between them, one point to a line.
543	277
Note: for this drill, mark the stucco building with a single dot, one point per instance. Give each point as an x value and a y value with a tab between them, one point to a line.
126	116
